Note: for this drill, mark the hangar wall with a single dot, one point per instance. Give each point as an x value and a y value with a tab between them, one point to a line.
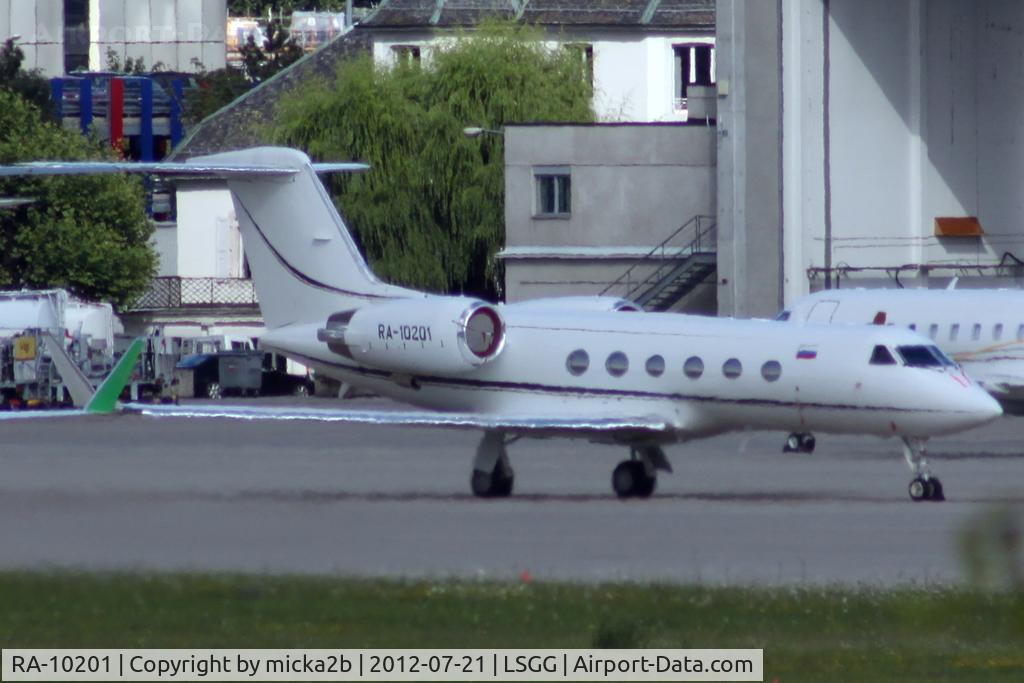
896	113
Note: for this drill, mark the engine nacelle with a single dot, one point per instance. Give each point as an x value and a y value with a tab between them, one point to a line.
418	336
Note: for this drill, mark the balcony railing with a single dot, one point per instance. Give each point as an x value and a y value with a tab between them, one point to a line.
192	292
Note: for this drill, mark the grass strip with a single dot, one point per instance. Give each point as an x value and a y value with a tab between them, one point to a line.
812	634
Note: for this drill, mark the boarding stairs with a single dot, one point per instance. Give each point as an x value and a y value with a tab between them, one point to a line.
672	269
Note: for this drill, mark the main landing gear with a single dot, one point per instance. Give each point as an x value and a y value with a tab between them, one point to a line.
492	474
923	486
637	477
799	442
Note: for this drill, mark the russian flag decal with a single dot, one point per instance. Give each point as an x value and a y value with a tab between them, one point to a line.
807	353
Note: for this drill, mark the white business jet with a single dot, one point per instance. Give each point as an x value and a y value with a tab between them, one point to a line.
593	368
982	329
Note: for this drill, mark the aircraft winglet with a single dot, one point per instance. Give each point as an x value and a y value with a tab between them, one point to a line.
105	398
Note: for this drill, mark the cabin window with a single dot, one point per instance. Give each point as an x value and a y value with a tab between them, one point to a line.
954	332
732	368
924	356
577	362
933	331
783	317
617	364
997	332
1020	333
912	326
655	366
771	370
976	332
694	367
882	356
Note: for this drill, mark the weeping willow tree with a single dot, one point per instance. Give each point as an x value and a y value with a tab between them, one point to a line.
430	213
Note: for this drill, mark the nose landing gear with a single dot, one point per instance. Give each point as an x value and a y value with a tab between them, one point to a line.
923	486
492	474
799	442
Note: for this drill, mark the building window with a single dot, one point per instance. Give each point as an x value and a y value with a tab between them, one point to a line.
408	55
577	362
694	65
694	367
732	368
585	53
76	35
771	370
617	364
655	366
554	193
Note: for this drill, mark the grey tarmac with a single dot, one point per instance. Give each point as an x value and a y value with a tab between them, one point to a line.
159	494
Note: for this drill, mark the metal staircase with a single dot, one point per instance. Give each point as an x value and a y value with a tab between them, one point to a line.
671	270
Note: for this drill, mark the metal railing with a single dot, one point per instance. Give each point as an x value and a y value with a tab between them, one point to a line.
695	236
184	292
1008	265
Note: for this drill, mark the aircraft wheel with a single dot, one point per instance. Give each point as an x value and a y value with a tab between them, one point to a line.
935	492
807	443
630	480
918	489
645	485
492	484
792	444
214	391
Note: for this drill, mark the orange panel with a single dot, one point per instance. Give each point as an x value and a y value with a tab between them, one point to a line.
959	226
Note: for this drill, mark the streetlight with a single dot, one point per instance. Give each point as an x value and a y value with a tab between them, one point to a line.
475	131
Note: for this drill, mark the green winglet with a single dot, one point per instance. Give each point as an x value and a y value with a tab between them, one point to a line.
105	398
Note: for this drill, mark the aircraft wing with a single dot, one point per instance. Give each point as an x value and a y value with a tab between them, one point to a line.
534	424
167	169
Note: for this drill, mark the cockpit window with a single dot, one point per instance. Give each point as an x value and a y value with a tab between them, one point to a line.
782	317
882	356
923	356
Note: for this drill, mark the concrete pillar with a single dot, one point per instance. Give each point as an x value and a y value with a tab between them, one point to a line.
750	245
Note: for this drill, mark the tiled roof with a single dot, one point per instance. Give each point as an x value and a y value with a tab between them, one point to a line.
448	13
241	123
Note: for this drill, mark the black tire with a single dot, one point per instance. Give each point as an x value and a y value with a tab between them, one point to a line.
918	489
491	484
792	444
807	443
645	484
624	479
301	390
935	493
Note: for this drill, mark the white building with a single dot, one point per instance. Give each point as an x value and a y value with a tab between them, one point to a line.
641	54
59	36
861	140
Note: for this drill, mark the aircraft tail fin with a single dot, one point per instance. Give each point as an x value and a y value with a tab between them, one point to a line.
105	398
304	262
71	375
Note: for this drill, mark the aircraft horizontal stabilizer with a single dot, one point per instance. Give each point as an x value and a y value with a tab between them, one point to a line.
512	423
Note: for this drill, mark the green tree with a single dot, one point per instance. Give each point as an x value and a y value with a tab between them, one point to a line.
88	234
430	212
30	85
